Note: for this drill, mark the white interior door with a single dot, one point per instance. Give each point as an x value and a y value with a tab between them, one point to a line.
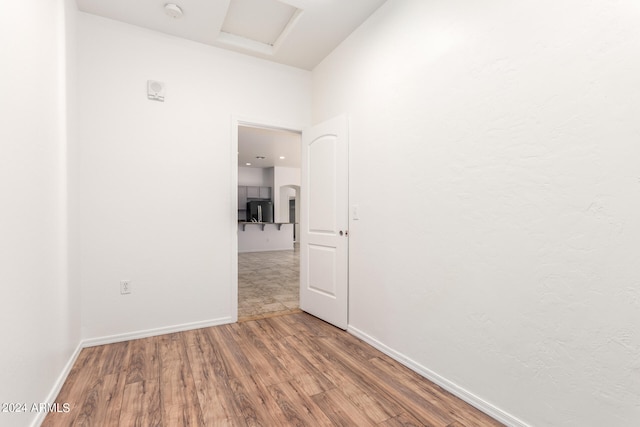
324	219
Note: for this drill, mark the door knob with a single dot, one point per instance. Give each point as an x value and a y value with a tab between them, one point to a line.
341	232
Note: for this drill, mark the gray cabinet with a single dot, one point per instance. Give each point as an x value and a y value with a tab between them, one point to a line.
242	197
265	193
247	193
255	192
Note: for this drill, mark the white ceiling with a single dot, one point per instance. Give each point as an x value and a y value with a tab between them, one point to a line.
269	143
300	33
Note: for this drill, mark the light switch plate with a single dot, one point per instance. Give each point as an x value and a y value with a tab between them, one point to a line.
125	287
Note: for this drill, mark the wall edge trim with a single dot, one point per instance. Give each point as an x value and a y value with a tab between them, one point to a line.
57	385
110	339
453	388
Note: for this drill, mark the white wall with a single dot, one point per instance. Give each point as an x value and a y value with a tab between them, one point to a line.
258	177
504	257
156	177
253	238
284	177
39	310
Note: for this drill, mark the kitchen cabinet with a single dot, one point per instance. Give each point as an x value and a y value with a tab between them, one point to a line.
265	193
254	192
242	197
247	193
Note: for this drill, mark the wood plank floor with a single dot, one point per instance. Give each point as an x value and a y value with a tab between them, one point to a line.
291	370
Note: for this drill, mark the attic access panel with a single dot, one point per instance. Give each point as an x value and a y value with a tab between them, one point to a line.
258	21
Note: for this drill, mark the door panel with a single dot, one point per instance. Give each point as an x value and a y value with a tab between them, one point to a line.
322	185
322	270
324	218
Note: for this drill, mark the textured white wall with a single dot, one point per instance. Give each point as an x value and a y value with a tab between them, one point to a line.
156	177
504	257
39	310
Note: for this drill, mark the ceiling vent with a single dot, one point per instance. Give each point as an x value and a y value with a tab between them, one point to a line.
258	25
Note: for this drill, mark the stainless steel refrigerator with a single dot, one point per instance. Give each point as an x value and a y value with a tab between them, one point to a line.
260	211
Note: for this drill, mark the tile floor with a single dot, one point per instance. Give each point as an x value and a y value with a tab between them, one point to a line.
268	283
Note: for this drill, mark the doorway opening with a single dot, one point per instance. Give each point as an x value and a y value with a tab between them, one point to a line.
268	256
291	210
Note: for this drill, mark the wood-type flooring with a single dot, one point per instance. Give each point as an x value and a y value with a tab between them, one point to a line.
290	370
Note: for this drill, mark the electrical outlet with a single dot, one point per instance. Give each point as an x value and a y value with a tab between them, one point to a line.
125	287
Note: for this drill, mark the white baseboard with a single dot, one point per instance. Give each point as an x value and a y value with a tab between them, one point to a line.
57	385
451	387
110	339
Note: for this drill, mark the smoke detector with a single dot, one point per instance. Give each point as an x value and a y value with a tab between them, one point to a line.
173	10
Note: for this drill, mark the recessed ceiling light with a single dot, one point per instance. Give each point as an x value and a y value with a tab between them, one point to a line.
248	164
173	10
281	157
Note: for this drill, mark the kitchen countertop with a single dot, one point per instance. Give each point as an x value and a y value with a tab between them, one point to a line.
263	224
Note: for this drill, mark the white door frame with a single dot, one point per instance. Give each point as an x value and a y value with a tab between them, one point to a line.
233	214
